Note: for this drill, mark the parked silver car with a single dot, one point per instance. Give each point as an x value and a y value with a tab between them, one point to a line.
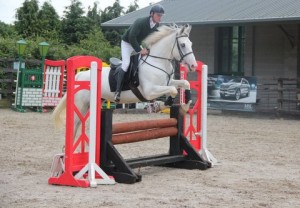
235	88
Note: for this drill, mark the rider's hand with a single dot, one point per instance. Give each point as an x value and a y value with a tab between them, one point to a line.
144	51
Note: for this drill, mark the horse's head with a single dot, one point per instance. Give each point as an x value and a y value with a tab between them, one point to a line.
162	43
183	51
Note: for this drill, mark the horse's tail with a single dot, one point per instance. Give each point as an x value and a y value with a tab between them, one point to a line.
56	115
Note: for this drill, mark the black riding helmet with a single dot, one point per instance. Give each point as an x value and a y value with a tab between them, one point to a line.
157	9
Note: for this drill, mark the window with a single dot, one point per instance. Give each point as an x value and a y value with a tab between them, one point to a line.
230	57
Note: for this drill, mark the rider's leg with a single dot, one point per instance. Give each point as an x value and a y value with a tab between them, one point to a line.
120	81
126	50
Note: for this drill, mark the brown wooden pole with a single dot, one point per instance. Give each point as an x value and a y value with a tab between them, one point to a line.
143	125
143	135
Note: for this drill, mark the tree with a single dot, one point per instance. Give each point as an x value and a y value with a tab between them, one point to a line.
94	15
74	26
133	7
27	23
49	21
111	12
7	30
97	45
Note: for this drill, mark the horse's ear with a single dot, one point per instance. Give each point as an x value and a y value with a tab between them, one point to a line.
182	30
187	29
173	26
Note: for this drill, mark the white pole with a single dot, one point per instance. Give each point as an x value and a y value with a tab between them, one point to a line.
93	114
204	151
92	167
181	94
204	107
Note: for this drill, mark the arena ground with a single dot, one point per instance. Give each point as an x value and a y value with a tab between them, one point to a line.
259	166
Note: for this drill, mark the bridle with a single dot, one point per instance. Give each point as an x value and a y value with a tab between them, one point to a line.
179	49
176	42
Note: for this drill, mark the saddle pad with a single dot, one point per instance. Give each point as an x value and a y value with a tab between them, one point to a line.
113	81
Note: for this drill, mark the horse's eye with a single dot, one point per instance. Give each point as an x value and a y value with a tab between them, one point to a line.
182	45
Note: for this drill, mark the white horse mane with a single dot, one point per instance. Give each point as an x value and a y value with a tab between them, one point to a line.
162	32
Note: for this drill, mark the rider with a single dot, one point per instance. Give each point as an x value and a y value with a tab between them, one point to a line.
132	39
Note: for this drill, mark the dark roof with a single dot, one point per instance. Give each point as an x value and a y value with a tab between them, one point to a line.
218	12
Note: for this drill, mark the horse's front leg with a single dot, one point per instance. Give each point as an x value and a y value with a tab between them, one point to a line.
158	91
183	84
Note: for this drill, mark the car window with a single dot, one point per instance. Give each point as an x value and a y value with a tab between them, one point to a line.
237	80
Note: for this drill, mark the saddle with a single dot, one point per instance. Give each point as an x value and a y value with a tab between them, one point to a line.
131	79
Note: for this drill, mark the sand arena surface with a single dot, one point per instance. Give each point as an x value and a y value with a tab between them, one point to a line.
259	166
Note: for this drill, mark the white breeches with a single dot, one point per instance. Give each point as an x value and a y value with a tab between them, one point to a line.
126	50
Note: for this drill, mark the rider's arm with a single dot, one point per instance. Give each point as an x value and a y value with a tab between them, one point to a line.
133	34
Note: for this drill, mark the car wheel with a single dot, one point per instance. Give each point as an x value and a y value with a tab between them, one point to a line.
238	94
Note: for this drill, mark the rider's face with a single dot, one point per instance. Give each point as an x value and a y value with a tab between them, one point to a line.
156	17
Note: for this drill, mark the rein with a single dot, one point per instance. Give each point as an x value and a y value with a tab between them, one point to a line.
170	60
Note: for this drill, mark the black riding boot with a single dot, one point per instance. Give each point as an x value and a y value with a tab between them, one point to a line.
120	81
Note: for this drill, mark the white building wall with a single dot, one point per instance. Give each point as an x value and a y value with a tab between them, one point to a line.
203	39
274	54
271	56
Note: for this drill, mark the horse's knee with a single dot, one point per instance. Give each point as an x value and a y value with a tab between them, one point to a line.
174	92
186	85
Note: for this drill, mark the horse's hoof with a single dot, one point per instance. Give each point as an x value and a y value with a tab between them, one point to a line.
186	107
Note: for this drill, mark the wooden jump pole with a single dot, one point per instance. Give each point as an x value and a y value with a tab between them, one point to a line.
138	125
181	153
144	135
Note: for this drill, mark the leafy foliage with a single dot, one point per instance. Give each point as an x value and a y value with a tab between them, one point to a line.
94	15
28	24
74	34
7	30
133	7
49	21
75	26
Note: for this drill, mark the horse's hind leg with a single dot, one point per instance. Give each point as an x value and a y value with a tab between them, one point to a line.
82	104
